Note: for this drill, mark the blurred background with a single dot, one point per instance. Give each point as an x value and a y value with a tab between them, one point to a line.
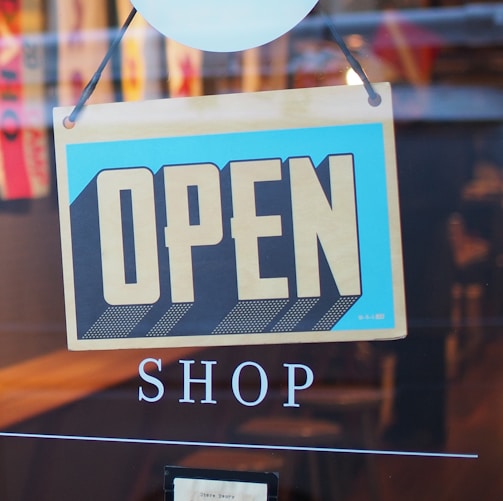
439	390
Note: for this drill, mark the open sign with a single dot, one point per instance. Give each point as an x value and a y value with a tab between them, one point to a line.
230	220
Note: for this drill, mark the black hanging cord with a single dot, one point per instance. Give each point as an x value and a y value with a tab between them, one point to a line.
374	97
70	120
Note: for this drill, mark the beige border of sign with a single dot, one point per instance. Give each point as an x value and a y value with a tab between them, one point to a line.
288	109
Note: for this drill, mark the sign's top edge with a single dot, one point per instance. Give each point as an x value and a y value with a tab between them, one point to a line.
222	113
382	88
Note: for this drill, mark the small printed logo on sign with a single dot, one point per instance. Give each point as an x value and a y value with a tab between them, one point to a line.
260	235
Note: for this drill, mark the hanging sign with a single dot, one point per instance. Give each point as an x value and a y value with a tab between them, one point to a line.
267	217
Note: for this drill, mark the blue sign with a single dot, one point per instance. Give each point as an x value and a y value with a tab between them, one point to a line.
261	235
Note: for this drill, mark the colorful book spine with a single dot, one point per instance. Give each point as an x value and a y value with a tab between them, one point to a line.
265	68
184	70
24	169
141	60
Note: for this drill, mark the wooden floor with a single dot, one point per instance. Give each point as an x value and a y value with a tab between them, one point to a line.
37	386
475	425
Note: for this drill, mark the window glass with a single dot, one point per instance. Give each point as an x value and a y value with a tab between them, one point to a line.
416	418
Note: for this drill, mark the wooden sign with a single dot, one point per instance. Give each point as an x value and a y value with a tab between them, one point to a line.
267	217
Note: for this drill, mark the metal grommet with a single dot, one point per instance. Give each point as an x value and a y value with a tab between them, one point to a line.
68	123
375	100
